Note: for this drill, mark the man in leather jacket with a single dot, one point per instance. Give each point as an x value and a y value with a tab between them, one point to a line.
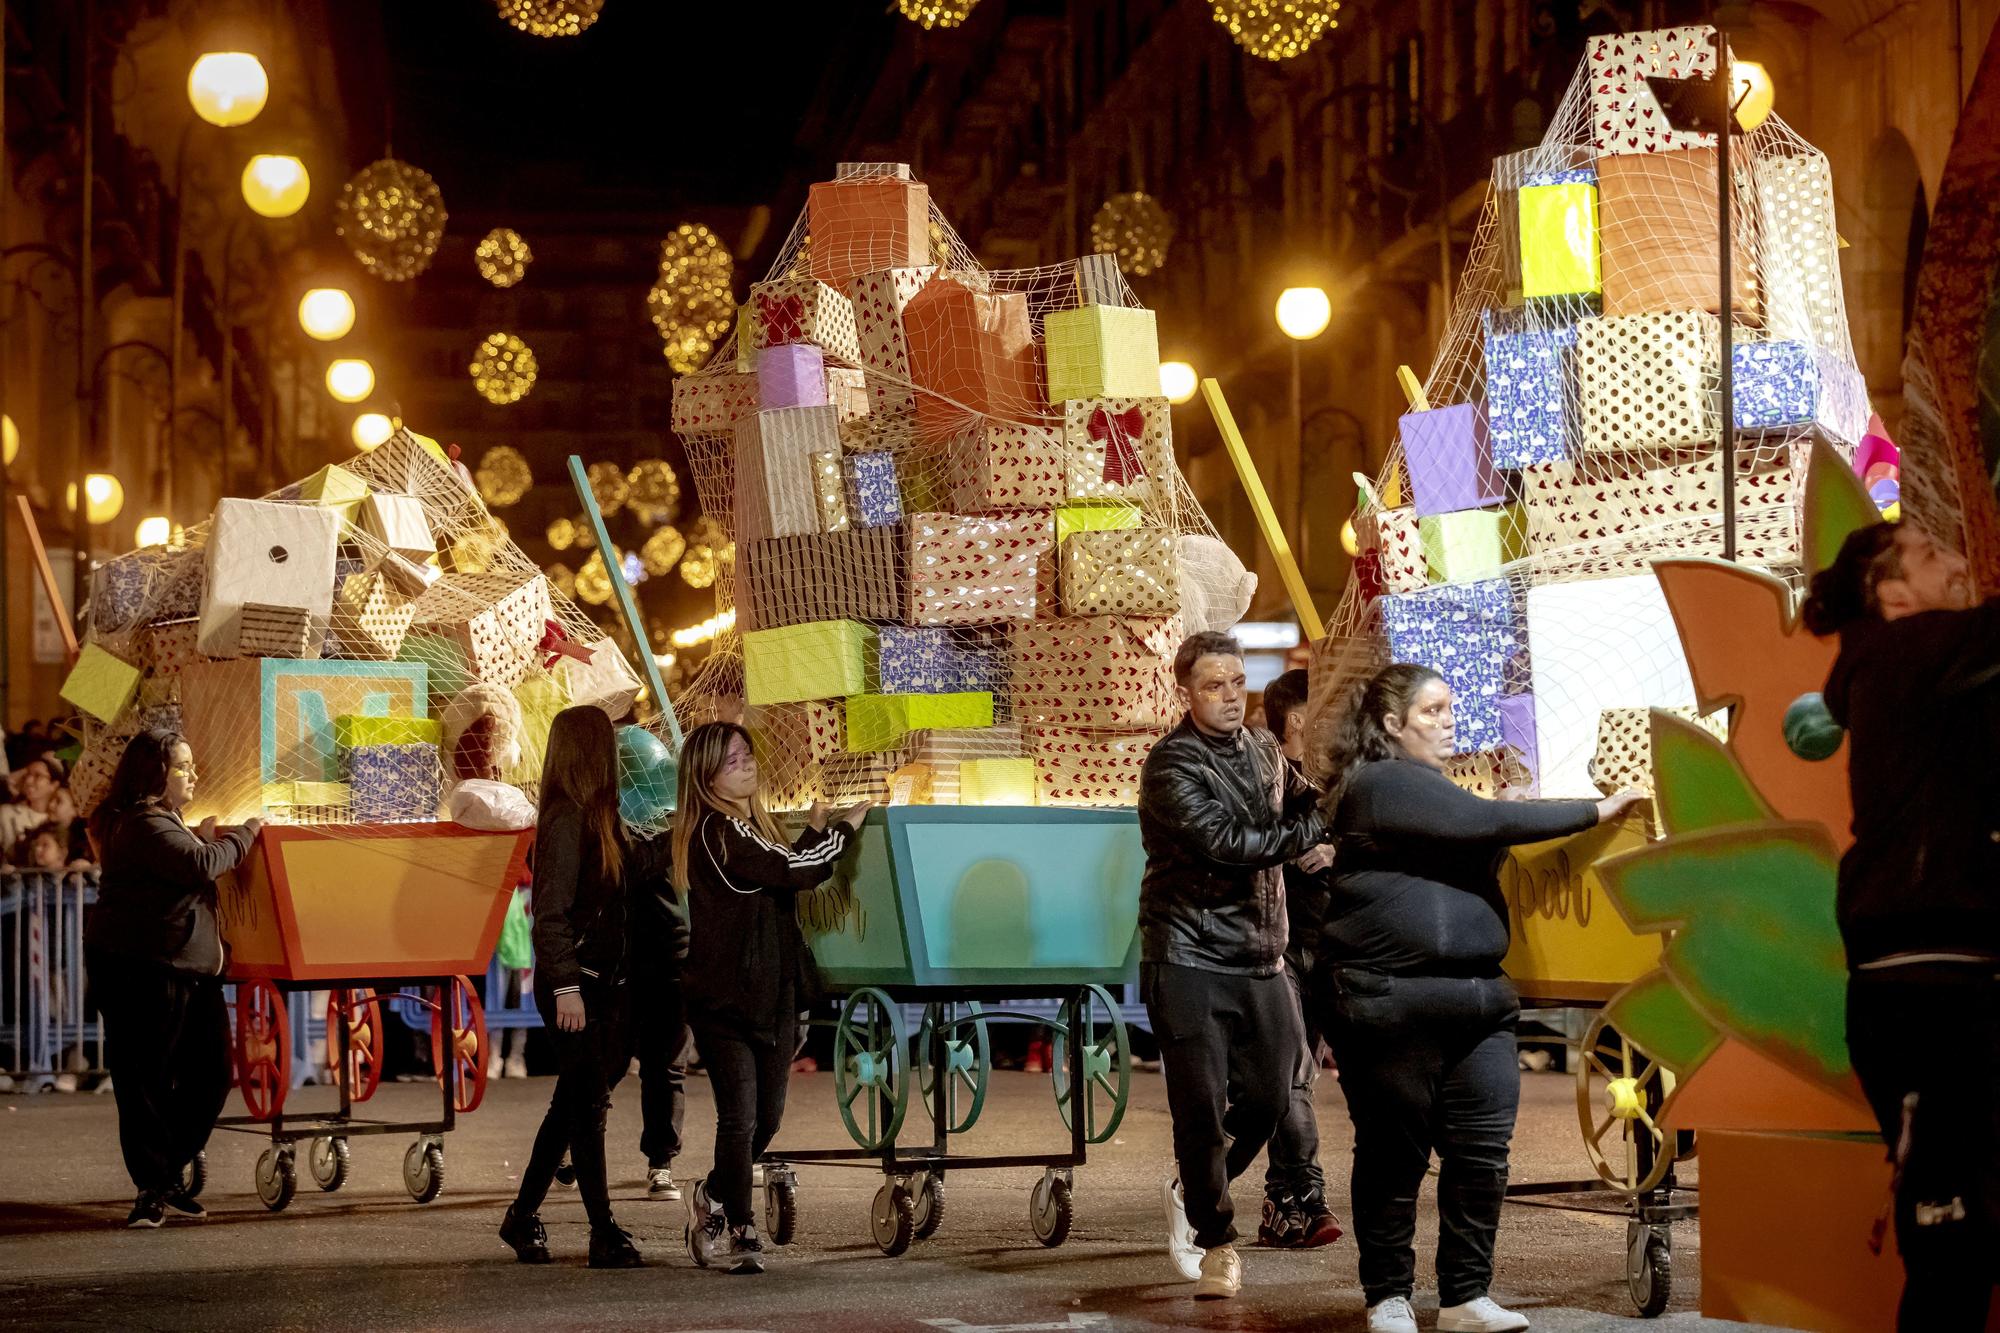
1218	829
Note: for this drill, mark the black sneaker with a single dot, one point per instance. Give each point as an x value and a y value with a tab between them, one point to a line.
610	1247
1282	1225
185	1204
147	1211
526	1235
746	1251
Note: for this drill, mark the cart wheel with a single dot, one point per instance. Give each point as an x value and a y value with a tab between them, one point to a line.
360	1012
1107	1062
277	1178
194	1176
929	1214
893	1218
870	1046
1050	1211
1620	1088
459	1004
968	1055
423	1170
263	1050
327	1159
1649	1266
781	1205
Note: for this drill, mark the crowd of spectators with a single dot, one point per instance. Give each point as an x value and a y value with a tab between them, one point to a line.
40	828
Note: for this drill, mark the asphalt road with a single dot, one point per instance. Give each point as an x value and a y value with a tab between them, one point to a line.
369	1258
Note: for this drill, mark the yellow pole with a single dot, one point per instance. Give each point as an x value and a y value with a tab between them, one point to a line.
1260	504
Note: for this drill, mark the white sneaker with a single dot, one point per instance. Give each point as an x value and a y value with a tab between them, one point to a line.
1185	1255
495	1063
1481	1315
517	1066
707	1233
1392	1315
1221	1274
660	1185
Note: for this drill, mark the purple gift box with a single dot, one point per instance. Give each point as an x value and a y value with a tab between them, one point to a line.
874	499
791	375
1517	728
1450	460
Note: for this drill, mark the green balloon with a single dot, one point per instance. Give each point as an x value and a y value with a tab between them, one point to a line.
647	777
1810	731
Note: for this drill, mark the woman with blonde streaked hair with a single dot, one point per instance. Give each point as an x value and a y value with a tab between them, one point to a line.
748	970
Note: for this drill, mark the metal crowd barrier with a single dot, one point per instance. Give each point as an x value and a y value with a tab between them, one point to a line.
46	1026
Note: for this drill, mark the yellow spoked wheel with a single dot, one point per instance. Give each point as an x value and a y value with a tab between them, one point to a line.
1619	1092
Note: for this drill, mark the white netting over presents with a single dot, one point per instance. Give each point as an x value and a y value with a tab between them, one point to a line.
962	552
343	650
1573	432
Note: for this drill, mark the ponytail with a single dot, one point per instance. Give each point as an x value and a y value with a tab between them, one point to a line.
1359	737
1844	591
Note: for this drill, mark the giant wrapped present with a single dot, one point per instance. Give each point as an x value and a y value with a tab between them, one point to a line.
821	660
269	554
879	302
398	523
800	310
1778	385
1800	248
708	406
976	569
1129	572
864	224
100	684
252	721
1625	117
1102	351
141	587
1080	767
791	741
371	617
791	375
277	631
1096	671
1645	381
1468	544
981	766
336	488
1594	505
874	499
167	649
356	729
940	660
1558	220
1623	760
1526	417
309	802
1450	459
776	495
1096	516
847	390
392	784
997	781
1517	731
1660	236
541	696
1395	538
974	356
494	620
881	721
606	681
1120	449
1001	466
852	575
1469	634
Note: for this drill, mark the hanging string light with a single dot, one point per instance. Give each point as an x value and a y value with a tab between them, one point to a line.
392	216
550	18
1135	228
1276	29
561	534
502	257
662	549
503	369
693	304
502	476
653	490
930	14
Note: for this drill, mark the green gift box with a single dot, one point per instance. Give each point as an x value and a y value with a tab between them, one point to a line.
1559	252
1468	545
334	487
822	659
100	684
1095	518
353	730
880	721
1102	351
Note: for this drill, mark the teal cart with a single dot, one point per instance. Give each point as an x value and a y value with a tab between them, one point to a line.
968	914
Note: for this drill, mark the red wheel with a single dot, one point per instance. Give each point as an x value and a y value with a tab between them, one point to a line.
459	1005
263	1048
361	1013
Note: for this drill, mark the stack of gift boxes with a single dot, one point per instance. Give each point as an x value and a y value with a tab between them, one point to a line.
958	578
1596	445
306	644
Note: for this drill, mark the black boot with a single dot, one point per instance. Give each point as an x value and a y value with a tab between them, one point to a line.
610	1247
529	1240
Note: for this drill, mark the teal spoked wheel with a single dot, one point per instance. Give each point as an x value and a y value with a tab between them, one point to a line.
871	1076
968	1061
1092	1018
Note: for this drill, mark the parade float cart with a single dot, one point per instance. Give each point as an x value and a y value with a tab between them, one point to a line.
966	915
361	911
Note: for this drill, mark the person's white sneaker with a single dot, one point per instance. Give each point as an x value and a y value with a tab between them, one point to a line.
1480	1315
660	1184
1221	1274
517	1065
1392	1315
1185	1255
495	1062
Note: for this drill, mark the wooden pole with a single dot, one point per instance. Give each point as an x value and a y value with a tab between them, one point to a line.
48	575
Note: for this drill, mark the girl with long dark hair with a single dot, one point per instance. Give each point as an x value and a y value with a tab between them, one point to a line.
583	866
748	971
153	949
1411	996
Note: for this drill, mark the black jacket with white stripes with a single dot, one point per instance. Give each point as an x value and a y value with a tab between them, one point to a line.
747	961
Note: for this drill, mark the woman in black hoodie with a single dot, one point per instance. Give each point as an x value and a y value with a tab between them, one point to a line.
748	971
583	865
153	950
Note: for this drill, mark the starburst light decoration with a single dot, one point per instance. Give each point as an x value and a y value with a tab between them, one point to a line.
653	490
693	304
502	257
392	216
1276	29
1136	228
503	369
593	581
608	484
930	14
550	18
699	566
502	476
662	549
561	534
707	530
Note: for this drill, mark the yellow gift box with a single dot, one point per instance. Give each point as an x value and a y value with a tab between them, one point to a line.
822	659
100	684
334	487
1468	544
1102	351
1559	251
880	721
1072	519
352	730
996	782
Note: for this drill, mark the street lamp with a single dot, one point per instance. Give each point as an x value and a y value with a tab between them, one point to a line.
155	530
1177	381
275	185
371	429
1303	314
326	313
228	88
104	495
350	379
10	440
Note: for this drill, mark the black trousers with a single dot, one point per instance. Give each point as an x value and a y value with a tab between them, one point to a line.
588	1066
1293	1173
748	1078
1229	1045
166	1043
661	1030
1934	1030
1425	1063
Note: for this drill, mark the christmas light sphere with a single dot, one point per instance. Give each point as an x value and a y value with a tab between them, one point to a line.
928	14
503	369
502	476
662	550
562	578
550	18
593	581
1276	29
502	257
707	530
1177	381
653	490
699	567
693	303
561	533
1136	228
371	429
275	185
609	486
392	217
326	314
228	88
105	495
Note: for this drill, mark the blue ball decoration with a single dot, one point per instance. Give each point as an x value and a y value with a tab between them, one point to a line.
648	777
1885	492
1810	731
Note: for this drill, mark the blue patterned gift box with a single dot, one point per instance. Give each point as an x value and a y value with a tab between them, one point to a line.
1780	384
874	500
937	660
393	784
1525	418
1469	633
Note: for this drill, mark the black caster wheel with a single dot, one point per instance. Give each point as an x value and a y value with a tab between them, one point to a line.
893	1218
1649	1267
327	1159
930	1205
781	1206
1050	1211
423	1170
194	1177
277	1177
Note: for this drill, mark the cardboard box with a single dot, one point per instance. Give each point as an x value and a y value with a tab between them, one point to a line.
1090	768
707	406
866	224
1120	449
1625	117
1558	220
879	302
800	310
1646	381
100	684
1468	633
1660	235
1003	466
939	660
776	494
606	681
392	784
973	357
874	498
269	554
1450	460
1527	414
371	617
495	620
398	523
791	375
881	721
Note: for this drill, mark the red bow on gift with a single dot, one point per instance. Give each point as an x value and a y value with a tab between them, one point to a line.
784	319
1119	432
556	643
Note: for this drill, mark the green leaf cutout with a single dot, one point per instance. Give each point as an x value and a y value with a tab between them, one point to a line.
1837	506
1697	782
1655	1013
